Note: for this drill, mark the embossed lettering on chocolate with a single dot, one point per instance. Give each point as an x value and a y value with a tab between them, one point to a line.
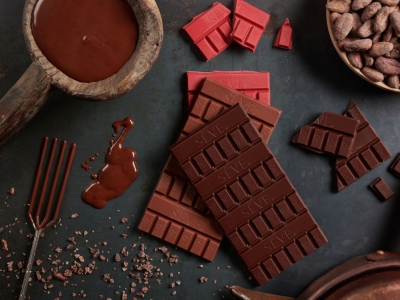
247	191
88	40
189	226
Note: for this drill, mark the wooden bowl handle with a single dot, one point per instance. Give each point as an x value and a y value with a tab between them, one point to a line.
23	101
245	294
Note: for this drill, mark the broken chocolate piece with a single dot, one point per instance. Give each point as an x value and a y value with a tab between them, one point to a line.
380	187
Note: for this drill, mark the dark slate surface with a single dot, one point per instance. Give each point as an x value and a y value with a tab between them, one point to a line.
305	81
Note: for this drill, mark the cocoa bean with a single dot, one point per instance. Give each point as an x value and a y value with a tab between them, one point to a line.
372	74
342	26
389	2
358	45
366	29
355	59
360	4
356	24
394	54
382	19
334	16
387	66
368	60
388	33
340	6
345	41
395	21
370	11
393	81
376	37
380	49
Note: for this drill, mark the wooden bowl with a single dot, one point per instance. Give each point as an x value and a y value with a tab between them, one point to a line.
343	56
31	91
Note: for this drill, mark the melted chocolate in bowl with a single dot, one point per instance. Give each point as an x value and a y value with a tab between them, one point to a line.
88	40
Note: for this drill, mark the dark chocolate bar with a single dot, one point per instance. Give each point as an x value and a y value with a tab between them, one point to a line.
330	133
395	167
249	194
367	153
189	214
380	187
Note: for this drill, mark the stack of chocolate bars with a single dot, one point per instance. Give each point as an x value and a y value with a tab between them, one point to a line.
222	179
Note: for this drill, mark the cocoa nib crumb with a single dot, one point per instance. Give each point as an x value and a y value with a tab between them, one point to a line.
124	236
11	191
173	293
1	229
203	279
228	267
117	257
74	216
124	252
59	276
10	266
124	220
38	262
4	245
58	250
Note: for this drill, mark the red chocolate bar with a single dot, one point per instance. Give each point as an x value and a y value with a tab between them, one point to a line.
284	37
175	212
247	191
211	30
330	133
380	187
367	153
252	84
249	24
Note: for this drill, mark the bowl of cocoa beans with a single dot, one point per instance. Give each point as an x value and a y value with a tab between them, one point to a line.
366	34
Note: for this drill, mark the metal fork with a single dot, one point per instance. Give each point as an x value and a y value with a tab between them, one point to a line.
35	207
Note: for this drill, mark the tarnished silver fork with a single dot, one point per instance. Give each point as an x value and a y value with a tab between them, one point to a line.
36	203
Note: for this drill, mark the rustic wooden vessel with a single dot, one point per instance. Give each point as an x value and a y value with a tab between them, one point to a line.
375	276
343	56
31	91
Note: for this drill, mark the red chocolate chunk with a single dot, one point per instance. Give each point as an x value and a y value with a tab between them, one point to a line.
284	38
395	167
252	84
211	30
380	187
330	134
249	24
249	194
175	212
367	153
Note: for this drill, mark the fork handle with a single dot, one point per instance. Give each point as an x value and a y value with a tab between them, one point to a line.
29	265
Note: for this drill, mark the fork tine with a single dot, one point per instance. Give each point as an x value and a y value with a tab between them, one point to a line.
71	154
55	179
36	184
46	180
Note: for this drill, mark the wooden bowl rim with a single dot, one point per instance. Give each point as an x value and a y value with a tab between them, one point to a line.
147	50
343	56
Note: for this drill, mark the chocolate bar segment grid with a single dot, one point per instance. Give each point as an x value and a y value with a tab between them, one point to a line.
249	194
330	133
367	153
189	220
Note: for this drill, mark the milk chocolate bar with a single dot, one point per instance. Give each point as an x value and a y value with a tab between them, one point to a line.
186	223
211	30
330	133
253	84
367	153
249	194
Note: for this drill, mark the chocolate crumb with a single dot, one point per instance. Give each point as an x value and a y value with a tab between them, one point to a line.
102	258
201	266
38	262
124	252
10	266
173	293
104	243
124	236
11	191
58	250
172	285
203	279
215	281
38	275
171	275
117	257
4	245
1	229
59	276
74	216
124	220
178	282
228	267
